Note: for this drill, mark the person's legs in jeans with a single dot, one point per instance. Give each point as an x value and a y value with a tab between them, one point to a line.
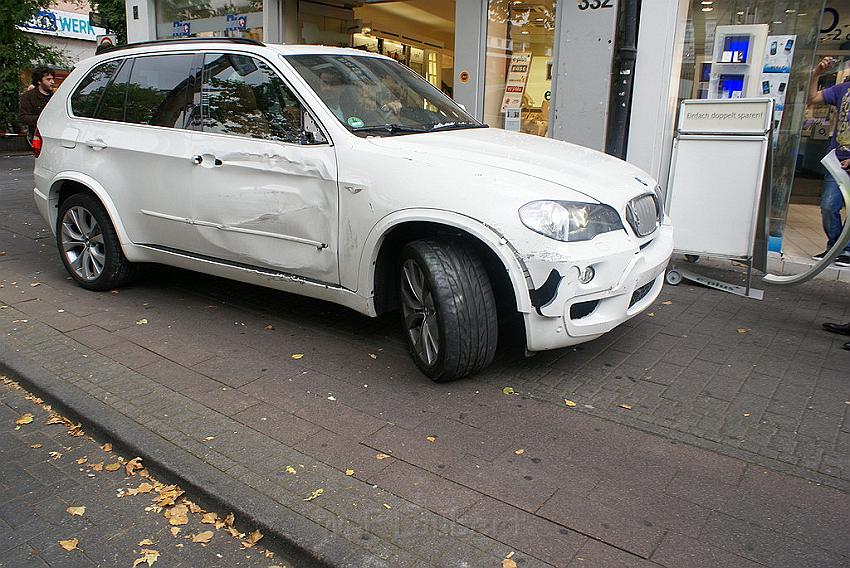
830	208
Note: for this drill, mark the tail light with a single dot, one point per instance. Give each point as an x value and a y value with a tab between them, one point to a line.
36	143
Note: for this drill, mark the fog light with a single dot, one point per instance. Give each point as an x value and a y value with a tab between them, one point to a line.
587	275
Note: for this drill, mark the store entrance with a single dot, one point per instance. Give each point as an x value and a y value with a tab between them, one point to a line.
804	235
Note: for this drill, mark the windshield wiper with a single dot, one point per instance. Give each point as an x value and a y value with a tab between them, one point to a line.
455	125
391	128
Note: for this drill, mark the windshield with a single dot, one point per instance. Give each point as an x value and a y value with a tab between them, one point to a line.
375	96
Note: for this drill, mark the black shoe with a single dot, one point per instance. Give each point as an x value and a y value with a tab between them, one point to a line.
843	259
820	255
841	328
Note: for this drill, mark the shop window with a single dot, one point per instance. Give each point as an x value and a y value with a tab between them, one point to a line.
518	80
158	90
86	97
757	48
242	96
211	18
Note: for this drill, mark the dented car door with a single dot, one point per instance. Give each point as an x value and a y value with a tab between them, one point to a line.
265	193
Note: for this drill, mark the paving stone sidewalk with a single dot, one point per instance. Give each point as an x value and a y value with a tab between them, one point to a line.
41	479
471	474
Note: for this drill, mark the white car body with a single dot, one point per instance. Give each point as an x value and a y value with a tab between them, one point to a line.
311	220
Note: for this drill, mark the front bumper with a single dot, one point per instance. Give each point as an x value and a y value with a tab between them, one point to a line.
628	279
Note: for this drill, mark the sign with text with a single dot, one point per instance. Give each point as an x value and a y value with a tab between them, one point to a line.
516	81
63	24
729	116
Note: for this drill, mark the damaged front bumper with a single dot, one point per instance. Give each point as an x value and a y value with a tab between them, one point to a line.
626	279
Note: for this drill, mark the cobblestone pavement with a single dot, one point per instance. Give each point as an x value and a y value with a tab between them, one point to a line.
470	473
47	474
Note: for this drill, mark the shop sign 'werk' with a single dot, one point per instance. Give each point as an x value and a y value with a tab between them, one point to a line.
63	24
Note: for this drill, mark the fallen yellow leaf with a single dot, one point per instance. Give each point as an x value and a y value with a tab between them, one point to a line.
667	303
290	470
133	465
314	494
96	466
35	446
70	544
270	327
380	457
349	472
146	542
743	330
209	518
148	556
107	447
55	455
296	356
431	439
203	537
387	506
177	515
252	539
144	488
746	414
112	466
56	419
626	406
78	511
25	419
651	314
142	321
228	520
193	507
519	452
569	403
508	563
508	390
175	531
82	460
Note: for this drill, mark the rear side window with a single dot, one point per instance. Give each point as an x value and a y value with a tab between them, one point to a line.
87	95
158	90
112	103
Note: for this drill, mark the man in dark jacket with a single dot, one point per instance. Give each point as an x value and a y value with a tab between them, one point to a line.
33	101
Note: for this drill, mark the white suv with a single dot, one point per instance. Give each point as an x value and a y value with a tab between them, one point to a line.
343	175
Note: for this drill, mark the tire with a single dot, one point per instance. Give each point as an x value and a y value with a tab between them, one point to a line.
89	246
456	294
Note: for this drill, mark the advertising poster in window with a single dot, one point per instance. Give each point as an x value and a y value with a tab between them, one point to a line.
515	88
776	74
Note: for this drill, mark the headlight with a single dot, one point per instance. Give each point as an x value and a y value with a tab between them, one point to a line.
569	221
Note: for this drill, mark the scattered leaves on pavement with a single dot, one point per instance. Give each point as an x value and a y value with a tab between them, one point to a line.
82	460
349	472
107	447
519	452
202	537
624	405
296	356
508	390
314	494
387	506
35	446
142	321
55	455
743	330
175	531
177	515
290	470
746	414
209	518
380	457
133	465
431	439
667	303
96	466
146	542
651	314
70	544
112	466
76	511
569	403
25	419
508	563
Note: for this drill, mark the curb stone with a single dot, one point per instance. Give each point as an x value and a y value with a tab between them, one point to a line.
300	540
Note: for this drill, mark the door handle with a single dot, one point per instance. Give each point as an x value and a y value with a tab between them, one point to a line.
96	144
217	162
197	159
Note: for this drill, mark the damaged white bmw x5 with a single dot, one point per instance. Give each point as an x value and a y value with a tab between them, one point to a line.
343	175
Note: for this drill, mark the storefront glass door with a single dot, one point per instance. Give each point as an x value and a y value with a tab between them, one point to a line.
209	18
518	66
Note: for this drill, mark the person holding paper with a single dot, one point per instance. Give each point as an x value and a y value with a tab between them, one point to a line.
831	199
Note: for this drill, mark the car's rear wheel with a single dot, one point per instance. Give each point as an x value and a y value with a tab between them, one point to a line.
89	246
448	308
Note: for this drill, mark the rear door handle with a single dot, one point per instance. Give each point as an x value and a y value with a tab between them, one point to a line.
96	144
198	159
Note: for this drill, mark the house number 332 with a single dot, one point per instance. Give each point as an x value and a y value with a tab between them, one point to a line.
595	4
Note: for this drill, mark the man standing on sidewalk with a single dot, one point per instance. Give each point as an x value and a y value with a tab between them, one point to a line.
831	199
33	101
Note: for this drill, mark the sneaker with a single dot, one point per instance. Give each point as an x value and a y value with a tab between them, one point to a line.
843	259
820	255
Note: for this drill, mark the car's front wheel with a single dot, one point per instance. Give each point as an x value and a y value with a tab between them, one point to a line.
89	246
448	308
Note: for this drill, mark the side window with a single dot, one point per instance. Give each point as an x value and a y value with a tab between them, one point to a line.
85	98
112	103
158	91
243	96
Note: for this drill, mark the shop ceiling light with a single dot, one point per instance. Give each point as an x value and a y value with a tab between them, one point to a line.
707	9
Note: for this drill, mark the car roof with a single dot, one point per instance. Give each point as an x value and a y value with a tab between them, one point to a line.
212	44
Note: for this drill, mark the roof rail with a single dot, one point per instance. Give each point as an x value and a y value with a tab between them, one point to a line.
242	40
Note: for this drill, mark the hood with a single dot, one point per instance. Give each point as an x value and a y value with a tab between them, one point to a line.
597	175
